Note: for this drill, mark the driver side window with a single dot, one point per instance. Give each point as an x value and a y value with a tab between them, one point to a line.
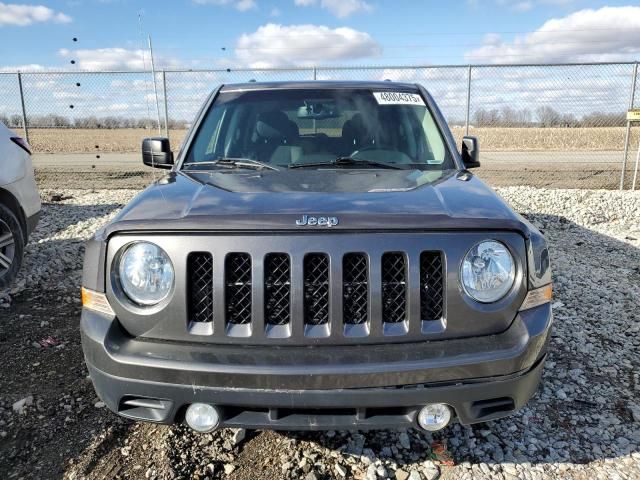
434	139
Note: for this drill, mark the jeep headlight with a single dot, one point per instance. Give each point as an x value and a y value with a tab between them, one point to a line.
488	271
145	273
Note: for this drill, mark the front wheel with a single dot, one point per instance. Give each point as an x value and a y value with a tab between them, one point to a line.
11	246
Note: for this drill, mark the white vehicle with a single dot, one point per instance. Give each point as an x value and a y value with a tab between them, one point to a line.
19	202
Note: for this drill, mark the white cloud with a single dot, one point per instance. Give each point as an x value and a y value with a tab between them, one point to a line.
32	67
339	8
240	5
244	5
275	12
274	45
606	34
492	39
115	59
23	15
522	5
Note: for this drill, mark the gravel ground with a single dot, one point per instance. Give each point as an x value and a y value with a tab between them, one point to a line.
584	423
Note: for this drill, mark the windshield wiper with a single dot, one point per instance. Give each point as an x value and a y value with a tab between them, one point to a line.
234	163
347	161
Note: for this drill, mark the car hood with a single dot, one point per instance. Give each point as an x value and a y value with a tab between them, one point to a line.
360	199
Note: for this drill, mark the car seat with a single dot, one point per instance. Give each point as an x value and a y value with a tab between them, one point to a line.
356	134
275	138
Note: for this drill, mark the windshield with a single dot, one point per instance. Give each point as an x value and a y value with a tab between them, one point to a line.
321	128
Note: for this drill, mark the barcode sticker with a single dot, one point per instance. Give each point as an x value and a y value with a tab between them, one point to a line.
398	98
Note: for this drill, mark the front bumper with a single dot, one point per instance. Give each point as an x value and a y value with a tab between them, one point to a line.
32	222
350	387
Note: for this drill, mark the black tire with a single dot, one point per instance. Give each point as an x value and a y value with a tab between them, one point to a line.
12	251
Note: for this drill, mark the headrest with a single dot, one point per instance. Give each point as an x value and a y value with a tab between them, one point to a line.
275	125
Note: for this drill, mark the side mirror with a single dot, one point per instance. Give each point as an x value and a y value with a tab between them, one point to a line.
470	152
156	152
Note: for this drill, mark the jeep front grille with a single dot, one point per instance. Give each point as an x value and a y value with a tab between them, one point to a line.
315	294
355	288
431	286
238	287
200	286
277	289
316	288
394	287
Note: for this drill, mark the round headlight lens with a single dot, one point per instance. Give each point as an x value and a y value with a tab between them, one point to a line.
146	273
488	271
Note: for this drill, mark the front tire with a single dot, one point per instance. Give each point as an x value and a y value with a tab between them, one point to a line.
11	246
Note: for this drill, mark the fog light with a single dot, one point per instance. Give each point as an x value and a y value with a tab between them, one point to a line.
202	418
434	416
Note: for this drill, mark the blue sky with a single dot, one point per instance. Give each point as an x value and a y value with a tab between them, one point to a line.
270	33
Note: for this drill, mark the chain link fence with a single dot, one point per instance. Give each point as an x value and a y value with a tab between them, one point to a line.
558	126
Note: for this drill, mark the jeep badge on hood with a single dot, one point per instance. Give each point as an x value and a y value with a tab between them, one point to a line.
319	221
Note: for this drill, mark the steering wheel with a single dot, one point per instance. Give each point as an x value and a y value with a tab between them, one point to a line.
371	147
385	153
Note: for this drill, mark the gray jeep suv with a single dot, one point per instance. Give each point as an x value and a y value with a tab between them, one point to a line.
318	257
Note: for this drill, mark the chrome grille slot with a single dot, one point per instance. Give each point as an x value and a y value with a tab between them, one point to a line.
355	288
277	289
238	288
394	287
316	289
200	286
431	286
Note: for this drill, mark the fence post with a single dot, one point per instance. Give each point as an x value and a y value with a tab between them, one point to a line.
24	111
635	170
466	121
315	73
627	138
166	107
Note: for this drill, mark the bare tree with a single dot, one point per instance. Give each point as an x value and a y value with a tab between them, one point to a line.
548	116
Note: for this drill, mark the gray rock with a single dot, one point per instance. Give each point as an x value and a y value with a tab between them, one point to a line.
401	474
21	405
239	435
403	440
430	470
355	445
371	472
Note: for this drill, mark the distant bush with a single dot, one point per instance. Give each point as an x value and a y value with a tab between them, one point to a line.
544	116
52	120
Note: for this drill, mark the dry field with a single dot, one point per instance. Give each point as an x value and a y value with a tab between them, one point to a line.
78	140
52	140
548	139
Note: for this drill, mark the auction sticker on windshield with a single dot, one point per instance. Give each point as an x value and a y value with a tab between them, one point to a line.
398	98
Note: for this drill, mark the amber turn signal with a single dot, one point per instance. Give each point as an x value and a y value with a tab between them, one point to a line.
537	297
96	301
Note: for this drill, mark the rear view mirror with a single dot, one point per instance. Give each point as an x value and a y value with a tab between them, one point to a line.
156	152
318	110
470	152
